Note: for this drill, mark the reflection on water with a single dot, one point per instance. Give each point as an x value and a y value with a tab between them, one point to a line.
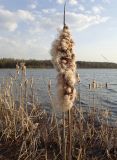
101	97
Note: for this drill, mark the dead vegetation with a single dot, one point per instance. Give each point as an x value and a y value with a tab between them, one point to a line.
32	133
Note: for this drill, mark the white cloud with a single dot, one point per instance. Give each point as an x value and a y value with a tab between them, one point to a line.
74	20
51	10
97	9
81	8
9	20
73	2
92	1
60	1
107	1
9	47
49	19
38	35
17	48
25	15
80	21
83	1
32	6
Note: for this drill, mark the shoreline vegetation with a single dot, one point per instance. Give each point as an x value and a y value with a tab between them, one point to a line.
29	132
31	63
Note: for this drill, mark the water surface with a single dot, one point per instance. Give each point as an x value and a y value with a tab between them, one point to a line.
101	97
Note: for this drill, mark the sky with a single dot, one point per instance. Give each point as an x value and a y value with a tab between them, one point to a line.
28	28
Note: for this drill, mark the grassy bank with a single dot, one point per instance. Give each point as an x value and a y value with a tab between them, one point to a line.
29	132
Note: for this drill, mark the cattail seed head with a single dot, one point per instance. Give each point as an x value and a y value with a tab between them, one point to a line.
17	69
49	85
63	60
23	68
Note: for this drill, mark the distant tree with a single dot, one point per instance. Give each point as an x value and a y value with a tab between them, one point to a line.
32	63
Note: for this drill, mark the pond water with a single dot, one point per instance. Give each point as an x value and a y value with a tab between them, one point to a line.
100	97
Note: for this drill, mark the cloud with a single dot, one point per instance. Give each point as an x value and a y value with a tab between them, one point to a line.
81	8
106	1
97	9
71	2
74	20
17	48
39	32
81	21
60	1
9	20
50	10
9	47
32	6
92	1
24	15
45	19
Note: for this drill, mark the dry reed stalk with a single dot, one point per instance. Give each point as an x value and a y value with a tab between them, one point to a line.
89	138
17	70
32	91
26	88
21	95
70	134
54	115
23	69
64	138
63	59
79	154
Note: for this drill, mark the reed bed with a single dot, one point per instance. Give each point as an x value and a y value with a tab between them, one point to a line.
29	132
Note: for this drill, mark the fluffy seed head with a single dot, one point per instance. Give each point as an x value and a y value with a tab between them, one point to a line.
63	60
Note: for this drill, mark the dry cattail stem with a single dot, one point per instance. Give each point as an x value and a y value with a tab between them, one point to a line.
17	69
63	59
23	68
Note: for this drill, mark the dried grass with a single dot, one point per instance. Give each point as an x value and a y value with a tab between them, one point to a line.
31	133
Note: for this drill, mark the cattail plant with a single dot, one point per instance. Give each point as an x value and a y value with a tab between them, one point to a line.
26	94
63	59
32	89
94	84
78	78
23	69
17	70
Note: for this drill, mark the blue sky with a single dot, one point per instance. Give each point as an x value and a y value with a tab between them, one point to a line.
28	28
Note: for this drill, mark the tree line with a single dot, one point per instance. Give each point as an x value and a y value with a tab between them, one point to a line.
31	63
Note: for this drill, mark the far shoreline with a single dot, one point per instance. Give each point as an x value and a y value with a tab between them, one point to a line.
54	69
9	63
